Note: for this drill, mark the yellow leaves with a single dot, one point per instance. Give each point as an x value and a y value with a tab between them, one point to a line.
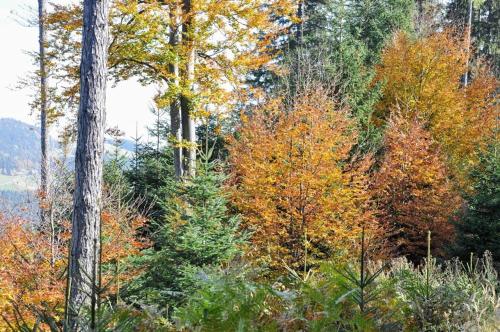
421	76
289	175
422	81
69	17
229	38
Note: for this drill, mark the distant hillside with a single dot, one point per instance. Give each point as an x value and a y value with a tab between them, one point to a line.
20	151
19	147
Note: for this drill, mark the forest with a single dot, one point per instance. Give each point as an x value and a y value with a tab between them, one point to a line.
313	165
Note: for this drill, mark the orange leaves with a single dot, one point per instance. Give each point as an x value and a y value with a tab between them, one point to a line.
28	280
293	183
119	242
119	237
412	190
433	121
422	81
32	287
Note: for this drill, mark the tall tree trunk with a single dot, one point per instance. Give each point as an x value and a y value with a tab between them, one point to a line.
299	34
468	41
188	124
175	107
420	16
85	241
45	206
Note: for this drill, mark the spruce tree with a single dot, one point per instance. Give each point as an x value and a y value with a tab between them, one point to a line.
198	232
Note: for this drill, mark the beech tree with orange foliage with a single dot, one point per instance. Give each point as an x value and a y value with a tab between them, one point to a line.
412	191
32	282
293	182
422	79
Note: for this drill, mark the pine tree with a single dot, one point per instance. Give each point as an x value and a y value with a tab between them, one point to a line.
114	168
152	175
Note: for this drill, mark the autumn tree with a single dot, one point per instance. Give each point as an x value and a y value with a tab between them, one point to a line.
293	183
85	258
422	79
32	276
412	190
197	52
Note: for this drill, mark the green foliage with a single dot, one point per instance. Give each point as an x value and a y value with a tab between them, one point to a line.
198	231
151	176
361	282
451	297
125	318
151	173
211	133
479	230
342	297
228	300
371	22
335	298
114	170
374	21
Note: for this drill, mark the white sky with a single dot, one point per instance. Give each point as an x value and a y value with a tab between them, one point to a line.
127	104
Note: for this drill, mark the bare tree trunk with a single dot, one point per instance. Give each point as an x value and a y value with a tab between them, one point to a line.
175	107
45	204
300	26
468	41
420	16
85	241
188	124
42	40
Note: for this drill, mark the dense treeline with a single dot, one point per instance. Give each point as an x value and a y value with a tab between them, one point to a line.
313	166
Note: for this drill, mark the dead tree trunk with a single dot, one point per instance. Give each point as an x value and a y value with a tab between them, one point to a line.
85	241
